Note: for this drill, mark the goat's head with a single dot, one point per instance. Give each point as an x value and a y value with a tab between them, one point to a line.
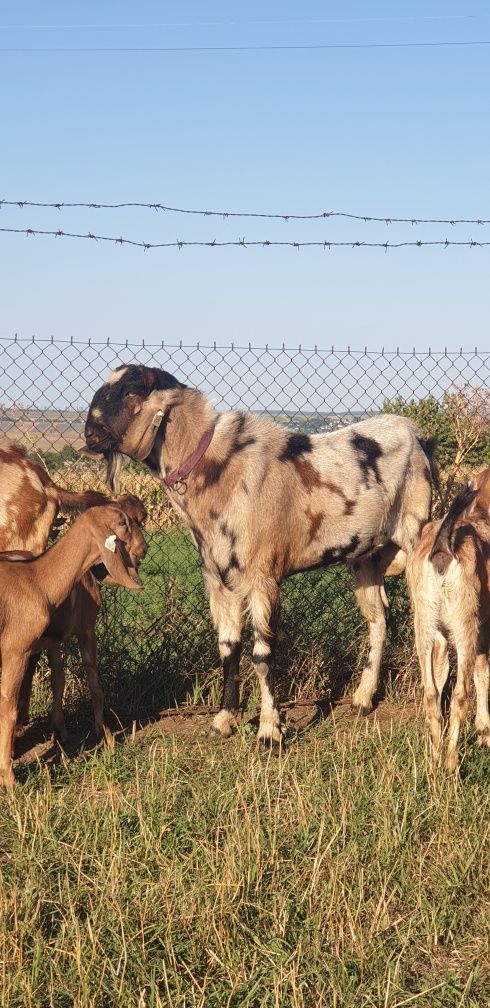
118	420
121	546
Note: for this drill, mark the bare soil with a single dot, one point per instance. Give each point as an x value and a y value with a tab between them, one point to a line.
35	743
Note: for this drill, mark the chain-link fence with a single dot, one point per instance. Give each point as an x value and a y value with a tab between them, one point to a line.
158	646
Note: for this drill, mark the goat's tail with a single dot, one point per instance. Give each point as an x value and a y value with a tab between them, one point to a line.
73	502
429	448
442	551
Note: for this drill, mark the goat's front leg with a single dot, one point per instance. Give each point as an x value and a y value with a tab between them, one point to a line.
369	594
57	670
25	692
481	679
227	614
13	670
264	608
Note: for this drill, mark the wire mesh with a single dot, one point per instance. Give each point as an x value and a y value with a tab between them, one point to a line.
158	646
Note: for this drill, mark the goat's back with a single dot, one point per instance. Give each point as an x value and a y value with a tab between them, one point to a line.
28	501
309	500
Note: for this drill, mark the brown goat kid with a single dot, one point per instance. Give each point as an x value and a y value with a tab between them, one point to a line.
29	504
449	581
31	590
263	503
76	617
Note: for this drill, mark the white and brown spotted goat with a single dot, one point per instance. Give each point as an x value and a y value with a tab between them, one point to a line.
449	580
263	503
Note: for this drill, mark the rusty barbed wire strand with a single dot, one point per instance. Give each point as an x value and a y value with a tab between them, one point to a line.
244	243
323	215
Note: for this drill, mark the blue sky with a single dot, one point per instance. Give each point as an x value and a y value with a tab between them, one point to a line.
377	131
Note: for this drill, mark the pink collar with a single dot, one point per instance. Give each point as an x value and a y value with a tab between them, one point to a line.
179	474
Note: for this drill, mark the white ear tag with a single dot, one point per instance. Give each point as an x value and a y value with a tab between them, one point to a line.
110	543
157	418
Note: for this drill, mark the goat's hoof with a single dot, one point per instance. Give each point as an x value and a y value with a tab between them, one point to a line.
361	709
483	737
217	733
60	735
7	782
272	745
224	724
105	737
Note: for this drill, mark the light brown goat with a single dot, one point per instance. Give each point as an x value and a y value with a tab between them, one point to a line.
30	591
449	580
76	617
263	503
30	501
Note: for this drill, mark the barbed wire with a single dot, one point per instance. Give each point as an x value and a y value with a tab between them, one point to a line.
244	243
269	47
323	215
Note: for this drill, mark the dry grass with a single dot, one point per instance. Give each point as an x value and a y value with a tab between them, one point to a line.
177	871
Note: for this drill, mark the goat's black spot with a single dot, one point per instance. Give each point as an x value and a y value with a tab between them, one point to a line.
214	515
261	659
338	553
231	665
239	446
211	471
369	451
227	532
296	444
225	572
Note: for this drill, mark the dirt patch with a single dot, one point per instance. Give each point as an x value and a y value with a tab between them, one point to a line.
35	743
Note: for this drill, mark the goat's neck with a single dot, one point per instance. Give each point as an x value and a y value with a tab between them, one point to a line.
62	566
186	424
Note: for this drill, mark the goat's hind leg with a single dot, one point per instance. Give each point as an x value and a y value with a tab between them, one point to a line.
264	608
481	679
57	669
88	650
370	597
434	663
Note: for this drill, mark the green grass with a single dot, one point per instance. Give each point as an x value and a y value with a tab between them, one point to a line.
175	871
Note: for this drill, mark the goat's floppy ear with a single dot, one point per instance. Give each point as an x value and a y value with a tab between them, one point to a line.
115	558
139	437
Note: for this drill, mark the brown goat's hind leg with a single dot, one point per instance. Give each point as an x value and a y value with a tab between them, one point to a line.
264	608
57	668
370	600
481	679
227	613
88	650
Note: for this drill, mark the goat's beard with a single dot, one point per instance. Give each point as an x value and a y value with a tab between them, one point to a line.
114	461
